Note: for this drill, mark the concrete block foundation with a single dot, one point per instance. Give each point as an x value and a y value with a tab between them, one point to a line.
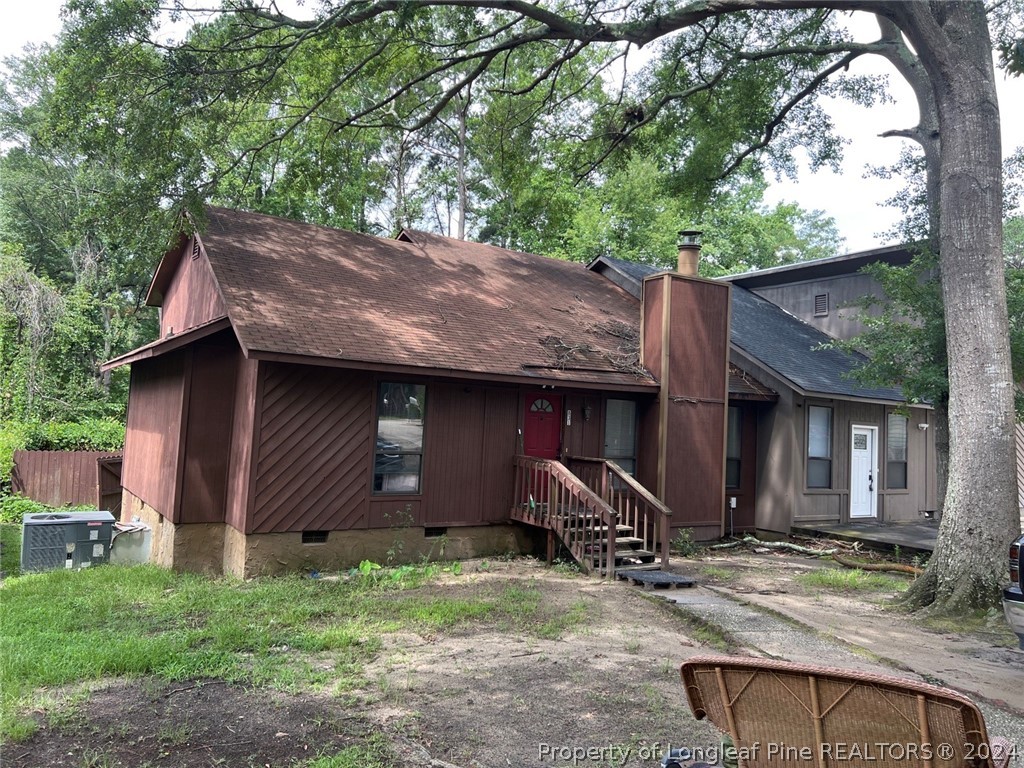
218	548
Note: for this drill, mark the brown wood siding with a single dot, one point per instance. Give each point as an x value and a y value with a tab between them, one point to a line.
208	431
241	445
699	323
315	444
153	435
192	298
694	442
652	326
467	463
584	437
58	478
647	442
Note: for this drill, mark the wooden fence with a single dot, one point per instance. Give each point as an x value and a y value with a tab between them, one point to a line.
58	478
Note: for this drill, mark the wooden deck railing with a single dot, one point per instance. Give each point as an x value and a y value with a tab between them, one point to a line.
548	495
635	505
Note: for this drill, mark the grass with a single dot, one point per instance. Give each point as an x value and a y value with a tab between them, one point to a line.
64	627
852	580
10	558
376	753
716	573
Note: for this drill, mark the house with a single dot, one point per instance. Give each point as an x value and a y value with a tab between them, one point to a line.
822	449
317	397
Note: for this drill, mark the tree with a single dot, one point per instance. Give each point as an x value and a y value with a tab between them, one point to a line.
748	71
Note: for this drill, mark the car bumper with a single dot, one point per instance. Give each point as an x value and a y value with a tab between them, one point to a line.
1013	607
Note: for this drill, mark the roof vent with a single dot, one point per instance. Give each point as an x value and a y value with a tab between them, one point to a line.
821	305
195	248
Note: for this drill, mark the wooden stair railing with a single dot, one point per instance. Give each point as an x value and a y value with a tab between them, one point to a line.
549	496
636	506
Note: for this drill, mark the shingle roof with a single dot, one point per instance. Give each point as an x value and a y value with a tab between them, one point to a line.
436	303
782	342
791	348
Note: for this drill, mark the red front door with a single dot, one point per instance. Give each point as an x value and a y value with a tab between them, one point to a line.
542	425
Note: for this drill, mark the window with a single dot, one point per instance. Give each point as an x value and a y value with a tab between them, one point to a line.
398	459
732	448
896	451
819	447
620	433
821	305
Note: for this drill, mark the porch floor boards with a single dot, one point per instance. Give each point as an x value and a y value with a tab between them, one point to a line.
916	536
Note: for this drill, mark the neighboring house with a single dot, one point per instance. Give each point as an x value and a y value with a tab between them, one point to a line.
317	397
824	449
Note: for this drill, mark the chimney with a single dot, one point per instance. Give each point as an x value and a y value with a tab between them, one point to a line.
689	252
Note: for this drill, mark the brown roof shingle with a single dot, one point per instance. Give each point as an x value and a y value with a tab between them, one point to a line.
435	303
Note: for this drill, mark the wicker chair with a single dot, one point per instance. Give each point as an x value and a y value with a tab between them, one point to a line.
783	715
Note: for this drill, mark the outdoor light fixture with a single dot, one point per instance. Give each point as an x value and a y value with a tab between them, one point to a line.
586	413
922	427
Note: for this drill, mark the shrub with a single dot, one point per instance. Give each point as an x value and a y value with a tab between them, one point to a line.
88	435
13	507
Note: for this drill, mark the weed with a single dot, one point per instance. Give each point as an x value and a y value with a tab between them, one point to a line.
851	580
92	758
376	753
566	567
683	544
718	574
633	647
174	733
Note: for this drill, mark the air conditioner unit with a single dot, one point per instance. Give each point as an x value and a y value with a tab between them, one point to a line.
65	540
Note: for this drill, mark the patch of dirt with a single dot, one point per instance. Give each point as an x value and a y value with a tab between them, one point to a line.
606	692
481	695
195	723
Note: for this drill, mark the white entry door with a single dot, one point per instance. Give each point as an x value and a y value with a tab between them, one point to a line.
864	472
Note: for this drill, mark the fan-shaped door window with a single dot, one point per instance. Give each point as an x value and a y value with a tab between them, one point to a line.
541	405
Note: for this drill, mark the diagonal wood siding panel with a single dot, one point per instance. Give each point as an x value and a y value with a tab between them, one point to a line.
313	458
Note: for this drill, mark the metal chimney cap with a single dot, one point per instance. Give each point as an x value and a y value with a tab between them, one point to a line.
690	238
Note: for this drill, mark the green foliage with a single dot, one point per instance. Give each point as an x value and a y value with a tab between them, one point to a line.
85	435
905	334
12	508
683	544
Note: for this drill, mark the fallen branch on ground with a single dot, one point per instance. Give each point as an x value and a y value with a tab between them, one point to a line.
786	545
891	567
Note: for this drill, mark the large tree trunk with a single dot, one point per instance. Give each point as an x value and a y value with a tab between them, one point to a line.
980	511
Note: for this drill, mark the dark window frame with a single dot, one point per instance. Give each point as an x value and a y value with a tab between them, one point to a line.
387	453
734	463
814	460
629	465
893	468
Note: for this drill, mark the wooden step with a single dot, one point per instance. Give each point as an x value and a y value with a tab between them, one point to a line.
627	557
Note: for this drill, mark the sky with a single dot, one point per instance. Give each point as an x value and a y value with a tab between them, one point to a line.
855	202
